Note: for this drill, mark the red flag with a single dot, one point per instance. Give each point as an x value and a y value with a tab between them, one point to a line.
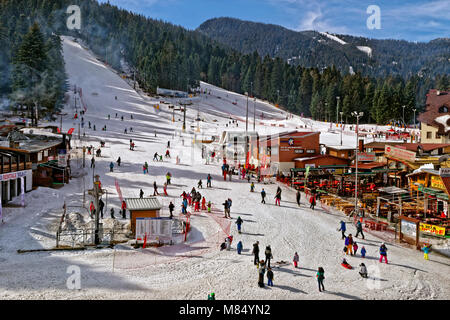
57	130
145	241
119	192
71	130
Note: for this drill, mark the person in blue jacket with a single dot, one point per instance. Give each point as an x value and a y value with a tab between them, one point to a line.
239	247
383	253
111	167
363	252
343	229
426	250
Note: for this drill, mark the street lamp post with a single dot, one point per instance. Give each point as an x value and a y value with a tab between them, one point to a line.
414	118
341	126
246	116
357	115
337	112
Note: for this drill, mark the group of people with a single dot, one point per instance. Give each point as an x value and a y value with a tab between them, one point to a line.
196	200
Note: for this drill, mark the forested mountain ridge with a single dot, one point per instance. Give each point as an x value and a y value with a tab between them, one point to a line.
170	56
314	49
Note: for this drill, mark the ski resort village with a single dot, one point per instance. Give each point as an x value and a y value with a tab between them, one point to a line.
181	186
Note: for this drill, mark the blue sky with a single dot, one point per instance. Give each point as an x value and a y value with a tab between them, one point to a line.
411	20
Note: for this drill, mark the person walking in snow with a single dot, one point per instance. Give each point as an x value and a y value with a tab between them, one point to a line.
359	229
111	167
239	247
203	203
239	222
383	253
269	277
171	208
263	196
155	189
355	248
200	184
255	252
145	167
141	194
118	162
299	196
112	213
124	209
92	162
101	205
349	244
165	189
296	259
278	197
92	209
155	156
320	277
312	201
268	254
261	272
225	209
208	181
363	252
168	177
363	270
343	229
252	187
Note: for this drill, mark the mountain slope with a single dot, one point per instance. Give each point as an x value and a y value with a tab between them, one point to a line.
313	49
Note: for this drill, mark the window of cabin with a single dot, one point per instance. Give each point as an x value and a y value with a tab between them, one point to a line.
429	134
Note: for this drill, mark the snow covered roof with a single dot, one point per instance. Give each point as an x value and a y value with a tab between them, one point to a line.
150	203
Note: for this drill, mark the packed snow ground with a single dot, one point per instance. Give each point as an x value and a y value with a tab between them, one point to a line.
192	270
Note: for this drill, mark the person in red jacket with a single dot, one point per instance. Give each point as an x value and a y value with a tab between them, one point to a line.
92	209
203	203
124	209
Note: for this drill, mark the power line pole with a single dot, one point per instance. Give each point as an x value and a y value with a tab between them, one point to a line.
97	214
357	115
246	117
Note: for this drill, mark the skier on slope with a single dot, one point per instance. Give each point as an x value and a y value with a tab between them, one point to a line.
278	197
263	195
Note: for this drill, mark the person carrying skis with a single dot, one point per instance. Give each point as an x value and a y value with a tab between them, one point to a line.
320	277
239	222
263	195
171	208
268	254
383	253
155	189
363	270
124	209
239	247
141	194
298	197
269	277
296	259
111	167
252	187
255	252
359	229
343	229
208	181
118	162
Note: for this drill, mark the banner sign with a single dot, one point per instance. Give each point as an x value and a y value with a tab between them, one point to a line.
14	175
437	183
432	229
153	228
62	159
400	153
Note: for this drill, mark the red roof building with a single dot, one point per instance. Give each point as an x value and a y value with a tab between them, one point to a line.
435	121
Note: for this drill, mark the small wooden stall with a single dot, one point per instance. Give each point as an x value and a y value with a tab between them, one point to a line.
142	208
409	230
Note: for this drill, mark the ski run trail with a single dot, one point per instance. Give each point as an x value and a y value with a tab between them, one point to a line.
193	269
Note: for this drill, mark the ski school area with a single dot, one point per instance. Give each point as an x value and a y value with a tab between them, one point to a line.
172	198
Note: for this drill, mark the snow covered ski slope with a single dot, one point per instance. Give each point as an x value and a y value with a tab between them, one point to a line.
198	267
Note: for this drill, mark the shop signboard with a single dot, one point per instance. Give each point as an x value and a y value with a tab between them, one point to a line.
437	183
444	172
62	158
366	156
431	229
401	154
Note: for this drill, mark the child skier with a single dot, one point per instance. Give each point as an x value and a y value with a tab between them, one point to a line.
363	252
239	247
269	277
